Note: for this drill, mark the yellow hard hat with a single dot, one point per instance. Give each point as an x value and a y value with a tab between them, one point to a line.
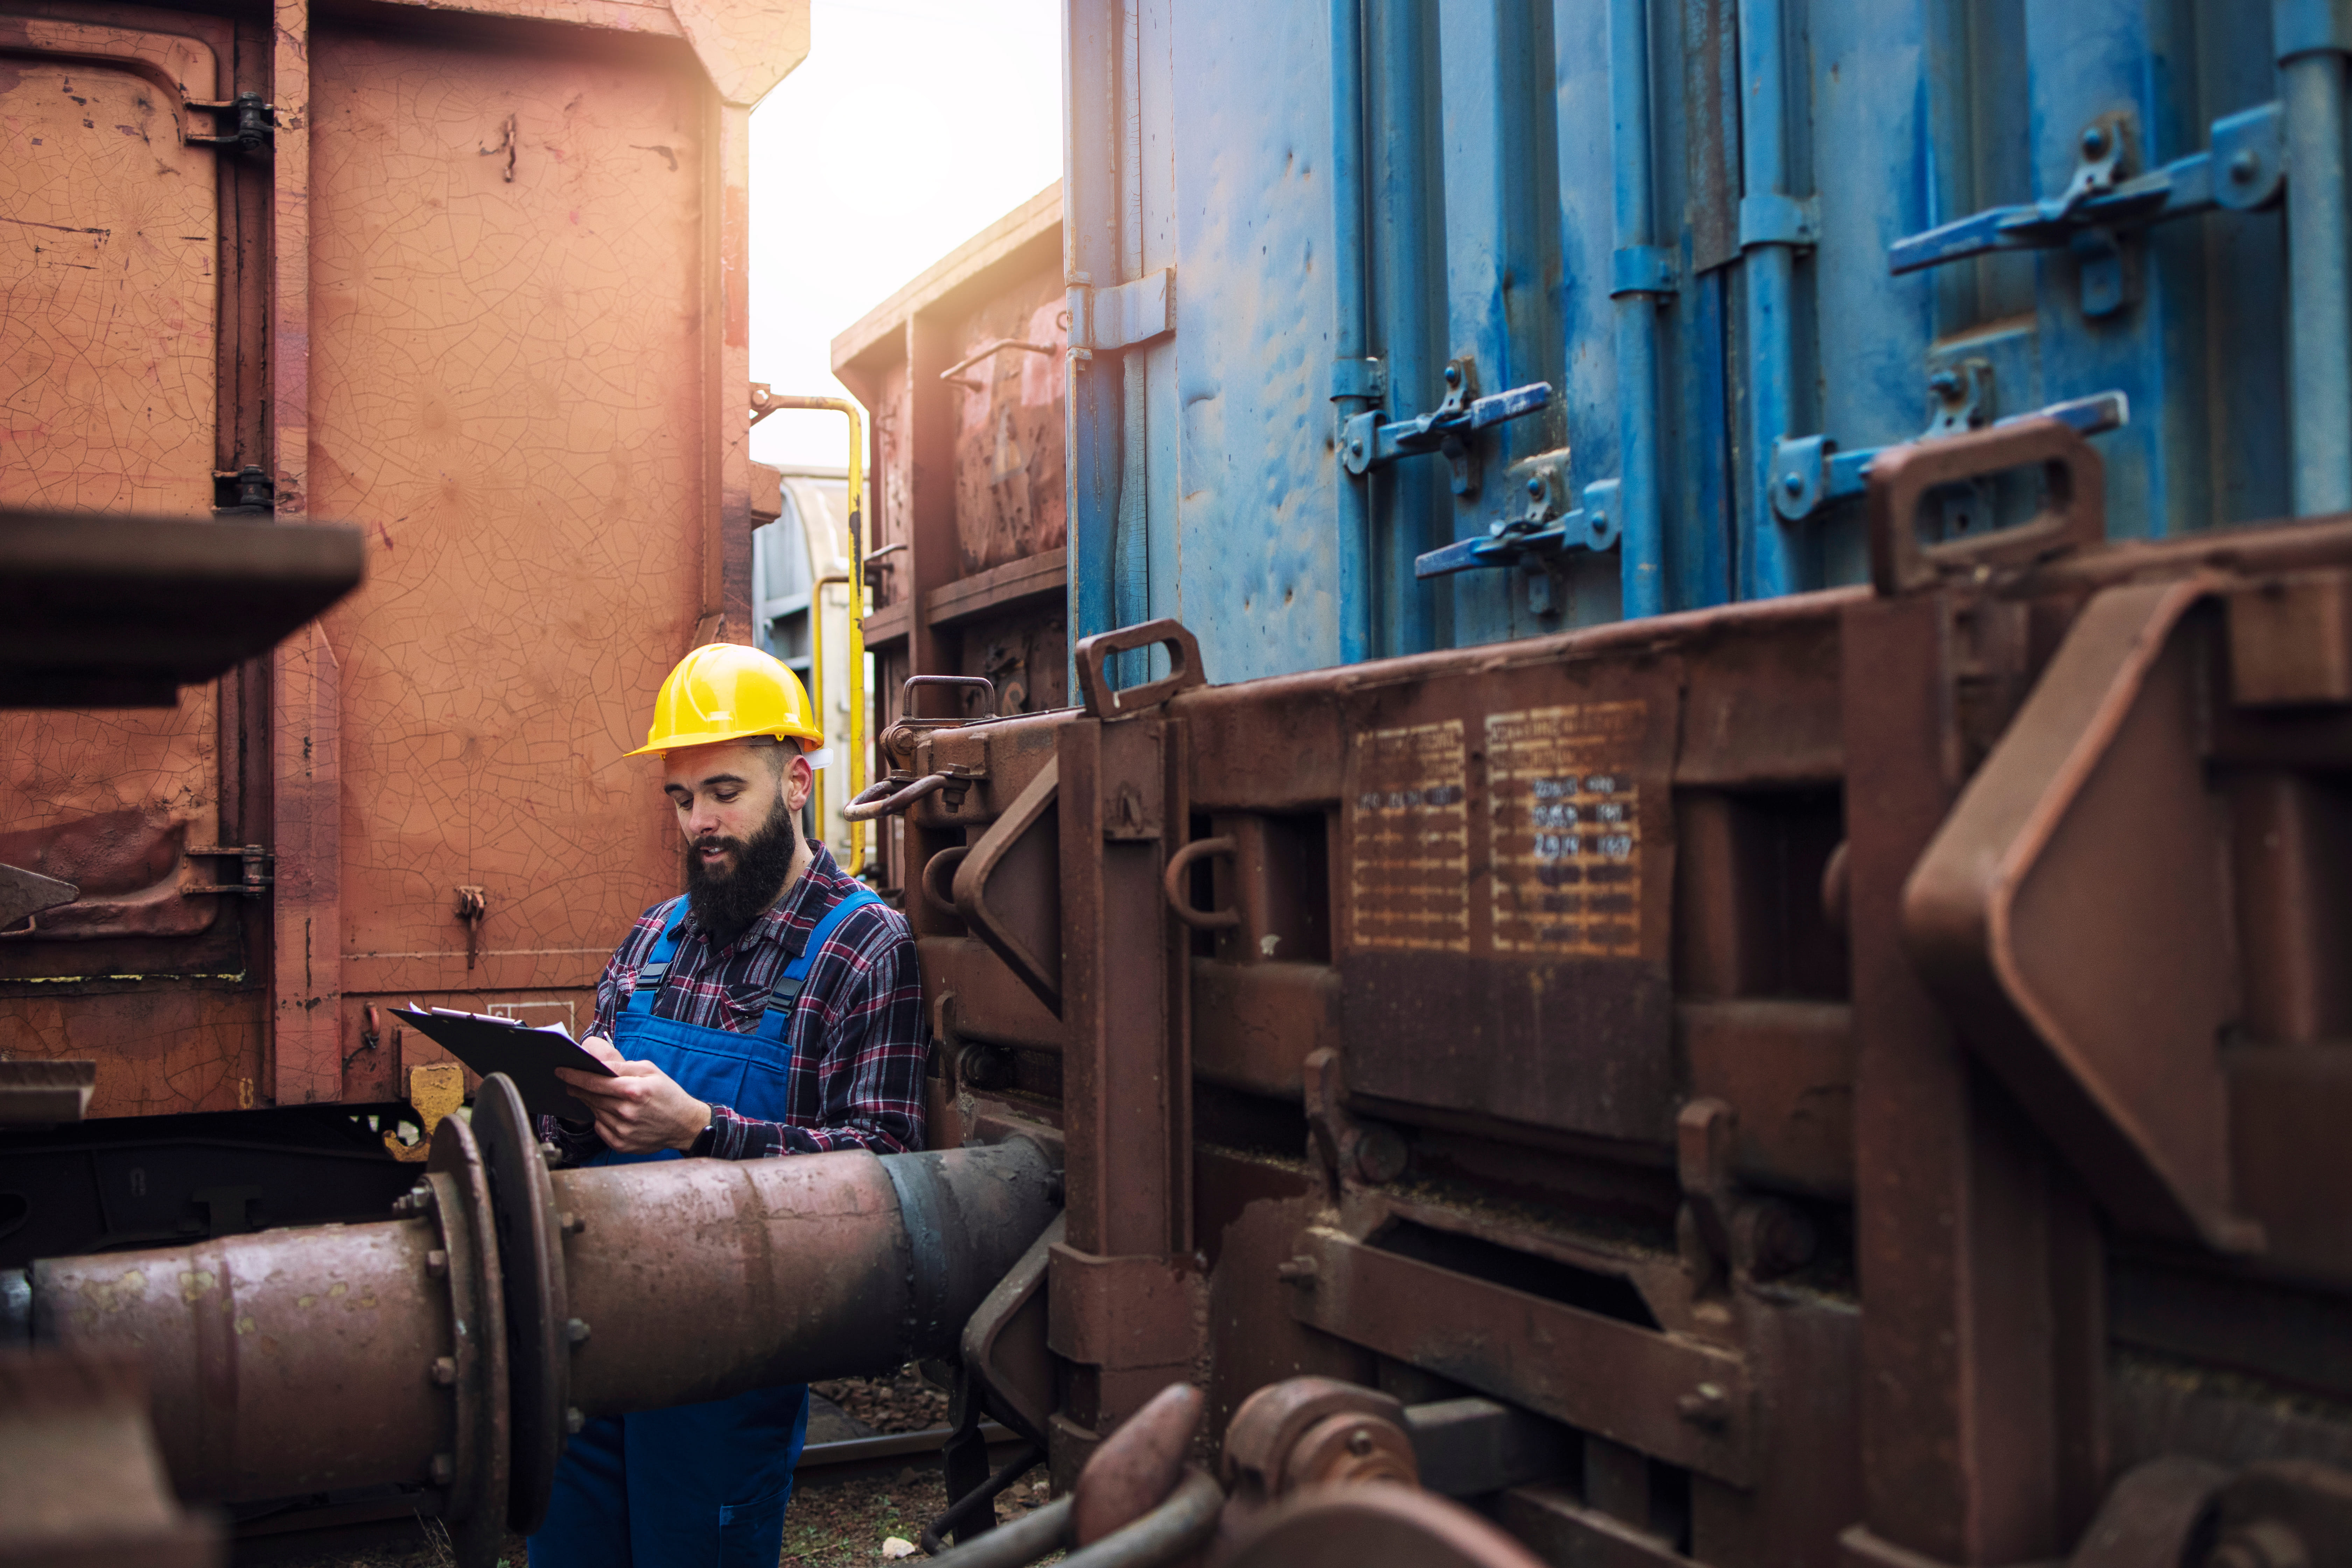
725	691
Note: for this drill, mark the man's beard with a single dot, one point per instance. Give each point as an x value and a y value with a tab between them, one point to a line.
725	903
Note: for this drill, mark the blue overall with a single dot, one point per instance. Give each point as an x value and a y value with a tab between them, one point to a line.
697	1484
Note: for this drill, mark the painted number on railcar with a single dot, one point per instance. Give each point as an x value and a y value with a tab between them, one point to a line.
1565	819
1409	864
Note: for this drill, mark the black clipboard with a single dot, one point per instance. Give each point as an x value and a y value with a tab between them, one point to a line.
527	1054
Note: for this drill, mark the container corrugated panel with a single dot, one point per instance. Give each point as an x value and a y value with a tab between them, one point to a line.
483	294
1731	238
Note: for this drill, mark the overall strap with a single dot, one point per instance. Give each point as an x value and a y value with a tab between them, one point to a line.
655	968
787	991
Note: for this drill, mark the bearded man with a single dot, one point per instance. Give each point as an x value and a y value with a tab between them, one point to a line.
774	1009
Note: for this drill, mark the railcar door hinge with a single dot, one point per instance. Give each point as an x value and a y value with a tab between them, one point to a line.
1371	440
247	492
2243	170
259	868
1122	316
255	124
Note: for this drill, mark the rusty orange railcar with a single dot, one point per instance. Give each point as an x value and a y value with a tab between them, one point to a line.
472	278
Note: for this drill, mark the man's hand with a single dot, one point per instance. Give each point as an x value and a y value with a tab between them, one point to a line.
642	1110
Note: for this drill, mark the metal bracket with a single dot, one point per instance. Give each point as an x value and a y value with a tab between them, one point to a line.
1770	217
1959	397
1359	378
1122	316
2243	169
255	122
1537	537
1367	443
1809	471
1642	270
259	866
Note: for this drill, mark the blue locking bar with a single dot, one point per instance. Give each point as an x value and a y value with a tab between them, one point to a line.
1809	471
2243	169
1372	444
1536	538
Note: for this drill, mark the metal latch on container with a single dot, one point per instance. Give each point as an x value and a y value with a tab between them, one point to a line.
259	868
255	124
1366	442
1809	471
1539	535
1121	316
2244	169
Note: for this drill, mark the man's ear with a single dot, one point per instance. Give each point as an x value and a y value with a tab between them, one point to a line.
799	782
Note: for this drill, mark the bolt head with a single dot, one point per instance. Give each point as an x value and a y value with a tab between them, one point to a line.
445	1469
1360	1442
444	1370
2245	166
1793	482
2094	141
1452	375
1944	383
437	1263
1535	489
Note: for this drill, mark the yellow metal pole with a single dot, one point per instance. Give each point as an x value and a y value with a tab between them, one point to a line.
764	402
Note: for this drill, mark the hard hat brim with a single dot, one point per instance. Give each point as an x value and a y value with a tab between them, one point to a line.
802	738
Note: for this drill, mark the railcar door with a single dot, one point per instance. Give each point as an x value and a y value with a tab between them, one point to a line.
121	231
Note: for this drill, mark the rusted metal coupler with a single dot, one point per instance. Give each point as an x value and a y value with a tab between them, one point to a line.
456	1347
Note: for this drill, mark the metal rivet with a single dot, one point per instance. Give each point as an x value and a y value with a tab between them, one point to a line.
1360	1442
437	1263
2094	141
444	1370
576	1331
1793	482
1705	1405
571	1223
2245	166
1452	375
445	1469
1535	489
1945	384
573	1420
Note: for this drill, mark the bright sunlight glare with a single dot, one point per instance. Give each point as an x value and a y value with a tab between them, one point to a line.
913	125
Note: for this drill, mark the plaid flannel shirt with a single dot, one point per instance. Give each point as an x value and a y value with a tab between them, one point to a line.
858	1040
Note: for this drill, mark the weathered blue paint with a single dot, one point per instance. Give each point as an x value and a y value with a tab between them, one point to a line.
1636	262
1770	557
1502	273
2312	40
1678	214
1354	380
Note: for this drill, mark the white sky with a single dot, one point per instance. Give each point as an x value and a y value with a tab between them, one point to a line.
913	125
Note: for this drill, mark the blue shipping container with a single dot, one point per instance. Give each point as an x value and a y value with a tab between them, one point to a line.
1407	324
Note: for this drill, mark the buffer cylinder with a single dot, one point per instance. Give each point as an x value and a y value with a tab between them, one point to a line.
302	1360
694	1280
285	1361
